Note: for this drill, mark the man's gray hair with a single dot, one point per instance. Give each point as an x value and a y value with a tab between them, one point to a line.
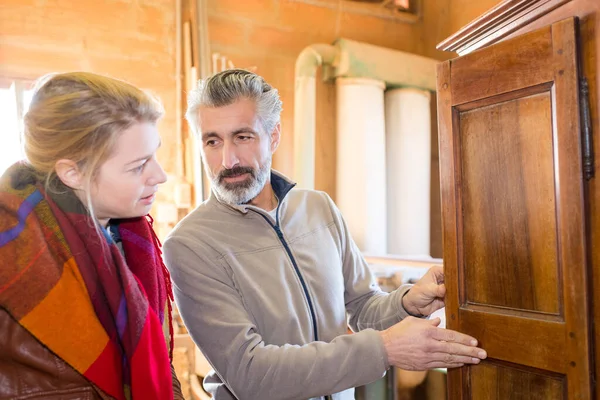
227	87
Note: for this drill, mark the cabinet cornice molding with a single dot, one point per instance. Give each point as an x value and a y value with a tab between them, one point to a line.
498	22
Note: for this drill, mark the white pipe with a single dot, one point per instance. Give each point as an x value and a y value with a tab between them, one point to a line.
395	68
361	169
408	134
349	59
305	95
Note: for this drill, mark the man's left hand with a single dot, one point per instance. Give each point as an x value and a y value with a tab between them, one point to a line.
427	295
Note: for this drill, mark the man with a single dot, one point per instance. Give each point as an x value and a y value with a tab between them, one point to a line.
267	278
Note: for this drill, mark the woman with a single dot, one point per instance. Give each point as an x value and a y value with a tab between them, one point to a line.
83	290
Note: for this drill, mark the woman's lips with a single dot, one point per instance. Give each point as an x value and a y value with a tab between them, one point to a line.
148	199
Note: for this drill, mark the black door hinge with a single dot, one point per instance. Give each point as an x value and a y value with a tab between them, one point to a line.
586	130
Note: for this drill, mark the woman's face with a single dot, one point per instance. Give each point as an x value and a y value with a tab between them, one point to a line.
127	181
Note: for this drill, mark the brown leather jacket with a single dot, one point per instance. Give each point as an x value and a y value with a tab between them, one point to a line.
28	370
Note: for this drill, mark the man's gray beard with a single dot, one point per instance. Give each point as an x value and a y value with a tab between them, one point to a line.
242	192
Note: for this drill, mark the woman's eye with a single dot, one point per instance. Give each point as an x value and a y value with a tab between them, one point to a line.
140	168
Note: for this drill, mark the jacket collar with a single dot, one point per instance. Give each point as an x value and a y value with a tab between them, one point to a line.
281	186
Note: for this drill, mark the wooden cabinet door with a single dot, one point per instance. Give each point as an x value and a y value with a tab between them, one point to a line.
513	217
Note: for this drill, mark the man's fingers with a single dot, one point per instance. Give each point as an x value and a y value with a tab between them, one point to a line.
438	364
458	349
448	335
449	358
441	290
436	290
438	273
435	322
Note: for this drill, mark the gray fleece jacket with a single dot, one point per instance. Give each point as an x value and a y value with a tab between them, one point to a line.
268	301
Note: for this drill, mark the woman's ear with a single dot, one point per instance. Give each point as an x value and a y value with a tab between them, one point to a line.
69	174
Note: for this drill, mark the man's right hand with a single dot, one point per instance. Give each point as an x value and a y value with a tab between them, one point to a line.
417	344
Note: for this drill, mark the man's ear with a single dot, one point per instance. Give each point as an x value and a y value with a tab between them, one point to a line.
275	137
68	172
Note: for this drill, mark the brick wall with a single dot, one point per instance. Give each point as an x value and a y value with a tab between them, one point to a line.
132	40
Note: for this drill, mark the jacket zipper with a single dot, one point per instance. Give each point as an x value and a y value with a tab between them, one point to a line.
302	282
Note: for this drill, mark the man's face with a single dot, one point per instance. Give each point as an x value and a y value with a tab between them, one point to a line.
236	151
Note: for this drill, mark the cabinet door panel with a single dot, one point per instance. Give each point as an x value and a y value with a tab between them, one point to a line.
513	216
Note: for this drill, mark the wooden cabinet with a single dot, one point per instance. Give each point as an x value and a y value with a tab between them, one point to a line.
520	207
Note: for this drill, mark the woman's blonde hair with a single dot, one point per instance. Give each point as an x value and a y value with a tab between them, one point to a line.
78	116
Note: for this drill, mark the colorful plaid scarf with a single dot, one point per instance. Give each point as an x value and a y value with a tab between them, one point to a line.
73	290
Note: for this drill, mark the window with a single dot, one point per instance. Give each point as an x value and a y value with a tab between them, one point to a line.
15	97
